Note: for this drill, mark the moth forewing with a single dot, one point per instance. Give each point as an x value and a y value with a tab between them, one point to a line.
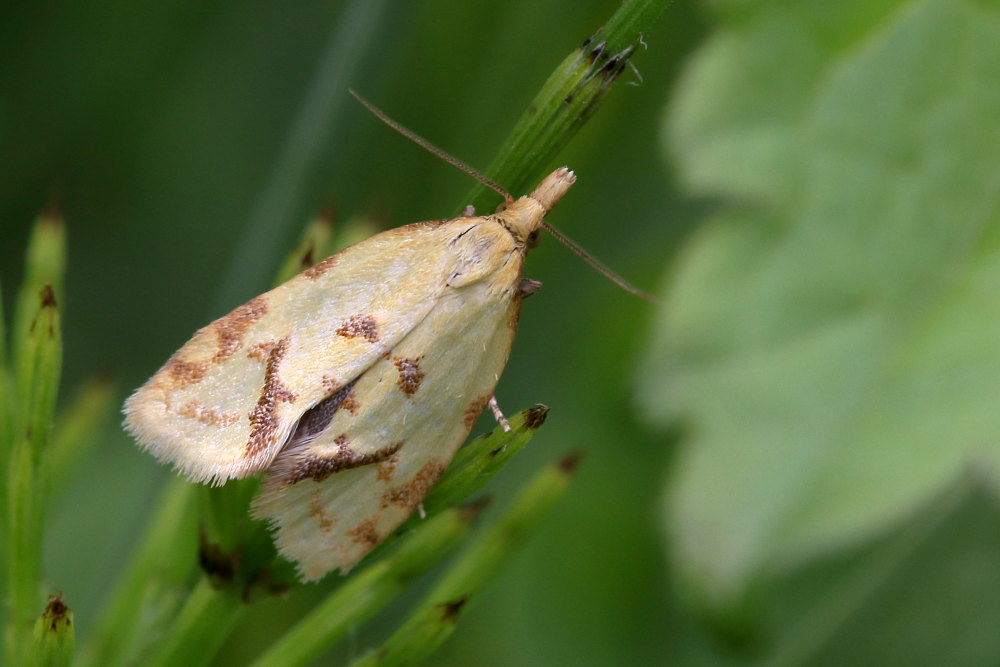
352	384
222	405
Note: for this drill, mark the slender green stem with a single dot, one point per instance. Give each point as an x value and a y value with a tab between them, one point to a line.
199	629
436	616
38	365
479	460
55	636
45	259
473	467
368	591
569	97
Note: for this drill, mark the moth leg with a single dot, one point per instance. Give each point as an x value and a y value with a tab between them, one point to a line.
468	212
495	407
527	287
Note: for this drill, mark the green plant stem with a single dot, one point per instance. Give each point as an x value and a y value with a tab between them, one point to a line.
569	97
38	366
201	627
55	636
6	404
435	618
478	461
475	464
365	593
45	259
23	545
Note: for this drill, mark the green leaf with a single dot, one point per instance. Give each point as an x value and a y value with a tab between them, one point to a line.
888	607
831	344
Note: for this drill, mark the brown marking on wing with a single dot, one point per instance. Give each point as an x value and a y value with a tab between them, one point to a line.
319	468
475	408
384	470
198	412
318	269
330	384
365	532
263	421
184	372
229	330
410	375
411	493
360	326
260	351
319	513
351	404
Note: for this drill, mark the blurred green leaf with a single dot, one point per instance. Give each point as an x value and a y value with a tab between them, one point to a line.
830	344
889	608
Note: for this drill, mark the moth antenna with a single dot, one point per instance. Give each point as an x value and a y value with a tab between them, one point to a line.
605	271
431	148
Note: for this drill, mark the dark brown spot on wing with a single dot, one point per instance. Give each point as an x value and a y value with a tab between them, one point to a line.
317	270
186	372
319	468
360	326
411	493
365	532
263	420
475	408
410	375
229	330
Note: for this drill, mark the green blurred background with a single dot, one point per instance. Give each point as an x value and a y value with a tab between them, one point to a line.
791	460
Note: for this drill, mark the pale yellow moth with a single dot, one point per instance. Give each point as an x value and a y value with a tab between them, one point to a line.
353	384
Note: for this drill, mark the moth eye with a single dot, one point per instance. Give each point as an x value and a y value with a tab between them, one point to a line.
533	239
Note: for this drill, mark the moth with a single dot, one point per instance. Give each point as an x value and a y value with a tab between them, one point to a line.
352	385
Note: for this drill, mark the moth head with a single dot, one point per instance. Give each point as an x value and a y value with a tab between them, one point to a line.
524	216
